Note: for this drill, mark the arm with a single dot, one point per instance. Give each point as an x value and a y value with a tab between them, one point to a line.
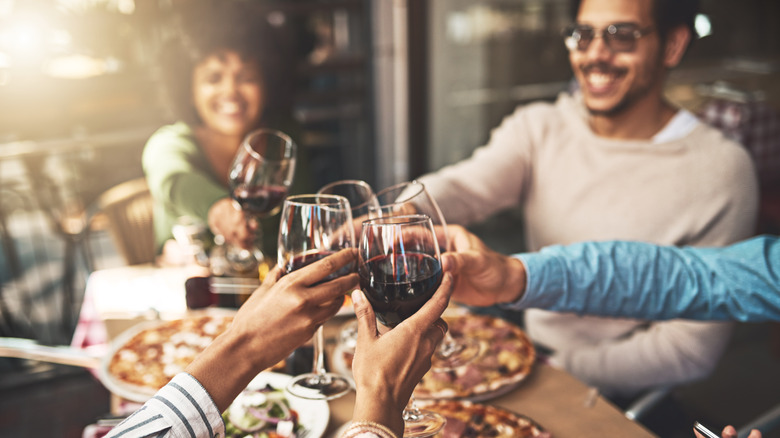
640	280
623	279
178	173
181	179
298	302
491	179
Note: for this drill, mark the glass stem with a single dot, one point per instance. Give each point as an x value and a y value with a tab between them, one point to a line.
448	346
318	367
411	413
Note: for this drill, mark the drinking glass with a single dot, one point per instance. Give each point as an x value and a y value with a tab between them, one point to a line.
313	227
400	268
359	194
260	178
412	198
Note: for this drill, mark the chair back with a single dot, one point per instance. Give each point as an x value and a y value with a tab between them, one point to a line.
128	209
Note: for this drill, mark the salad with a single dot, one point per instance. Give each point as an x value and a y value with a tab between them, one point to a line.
261	413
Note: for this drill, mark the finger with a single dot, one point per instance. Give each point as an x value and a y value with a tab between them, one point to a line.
456	262
321	269
438	330
323	313
272	277
432	310
729	432
330	290
366	319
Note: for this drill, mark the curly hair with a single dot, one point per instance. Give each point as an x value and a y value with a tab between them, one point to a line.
201	28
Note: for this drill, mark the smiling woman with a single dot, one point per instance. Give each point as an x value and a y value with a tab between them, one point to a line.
222	77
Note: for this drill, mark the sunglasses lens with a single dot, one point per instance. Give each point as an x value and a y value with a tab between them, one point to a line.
621	39
618	37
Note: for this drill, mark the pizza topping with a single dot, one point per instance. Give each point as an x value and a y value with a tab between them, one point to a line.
472	420
151	357
506	358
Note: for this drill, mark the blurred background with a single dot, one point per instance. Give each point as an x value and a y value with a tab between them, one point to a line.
385	91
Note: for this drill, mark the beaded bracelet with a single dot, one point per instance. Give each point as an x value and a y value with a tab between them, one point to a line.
360	427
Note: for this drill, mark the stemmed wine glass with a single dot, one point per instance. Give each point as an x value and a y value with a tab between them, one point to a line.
260	178
313	227
400	268
413	198
359	194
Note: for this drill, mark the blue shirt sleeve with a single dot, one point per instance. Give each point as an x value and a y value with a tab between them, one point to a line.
640	280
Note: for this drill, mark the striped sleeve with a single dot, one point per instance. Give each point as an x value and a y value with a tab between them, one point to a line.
182	408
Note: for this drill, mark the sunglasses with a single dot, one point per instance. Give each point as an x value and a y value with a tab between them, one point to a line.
618	37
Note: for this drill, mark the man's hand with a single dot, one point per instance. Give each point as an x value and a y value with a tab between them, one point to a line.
483	277
730	432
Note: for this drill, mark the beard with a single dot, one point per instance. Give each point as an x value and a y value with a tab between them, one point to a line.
641	87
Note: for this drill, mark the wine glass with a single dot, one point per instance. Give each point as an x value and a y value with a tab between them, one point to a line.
260	178
313	227
359	194
413	198
400	268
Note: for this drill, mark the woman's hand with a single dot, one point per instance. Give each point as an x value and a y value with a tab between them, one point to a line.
387	367
278	317
230	222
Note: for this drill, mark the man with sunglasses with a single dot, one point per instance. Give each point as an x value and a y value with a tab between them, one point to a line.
614	160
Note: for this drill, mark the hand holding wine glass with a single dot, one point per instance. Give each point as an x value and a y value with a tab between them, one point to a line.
383	390
399	268
260	178
413	198
313	227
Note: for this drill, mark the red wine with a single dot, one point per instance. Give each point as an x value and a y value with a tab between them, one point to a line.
259	200
398	286
305	259
308	258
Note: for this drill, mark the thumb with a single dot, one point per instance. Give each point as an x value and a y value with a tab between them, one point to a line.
455	262
366	319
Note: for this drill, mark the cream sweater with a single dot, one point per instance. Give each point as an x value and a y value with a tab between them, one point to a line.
575	186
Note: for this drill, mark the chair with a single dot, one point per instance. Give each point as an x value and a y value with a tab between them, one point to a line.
127	208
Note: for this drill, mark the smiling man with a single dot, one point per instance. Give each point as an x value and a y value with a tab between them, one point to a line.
614	160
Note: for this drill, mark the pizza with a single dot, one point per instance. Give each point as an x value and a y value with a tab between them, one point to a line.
506	357
473	420
156	353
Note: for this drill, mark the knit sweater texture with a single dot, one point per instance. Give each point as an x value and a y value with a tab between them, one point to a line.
573	186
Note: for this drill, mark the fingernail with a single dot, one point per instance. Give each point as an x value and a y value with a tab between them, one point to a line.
357	297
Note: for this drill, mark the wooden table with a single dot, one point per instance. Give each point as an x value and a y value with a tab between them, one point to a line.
560	403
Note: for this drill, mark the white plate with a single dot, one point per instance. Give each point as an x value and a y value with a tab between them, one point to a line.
313	415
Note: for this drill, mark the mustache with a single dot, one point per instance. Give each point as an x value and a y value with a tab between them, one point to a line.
601	67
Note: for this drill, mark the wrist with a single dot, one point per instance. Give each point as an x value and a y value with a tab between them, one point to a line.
517	279
378	407
227	355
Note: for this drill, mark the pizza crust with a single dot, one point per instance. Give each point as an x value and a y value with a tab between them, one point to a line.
506	358
467	419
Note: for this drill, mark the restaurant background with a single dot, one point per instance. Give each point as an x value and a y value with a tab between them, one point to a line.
386	90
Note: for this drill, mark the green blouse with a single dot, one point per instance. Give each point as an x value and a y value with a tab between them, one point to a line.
183	182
